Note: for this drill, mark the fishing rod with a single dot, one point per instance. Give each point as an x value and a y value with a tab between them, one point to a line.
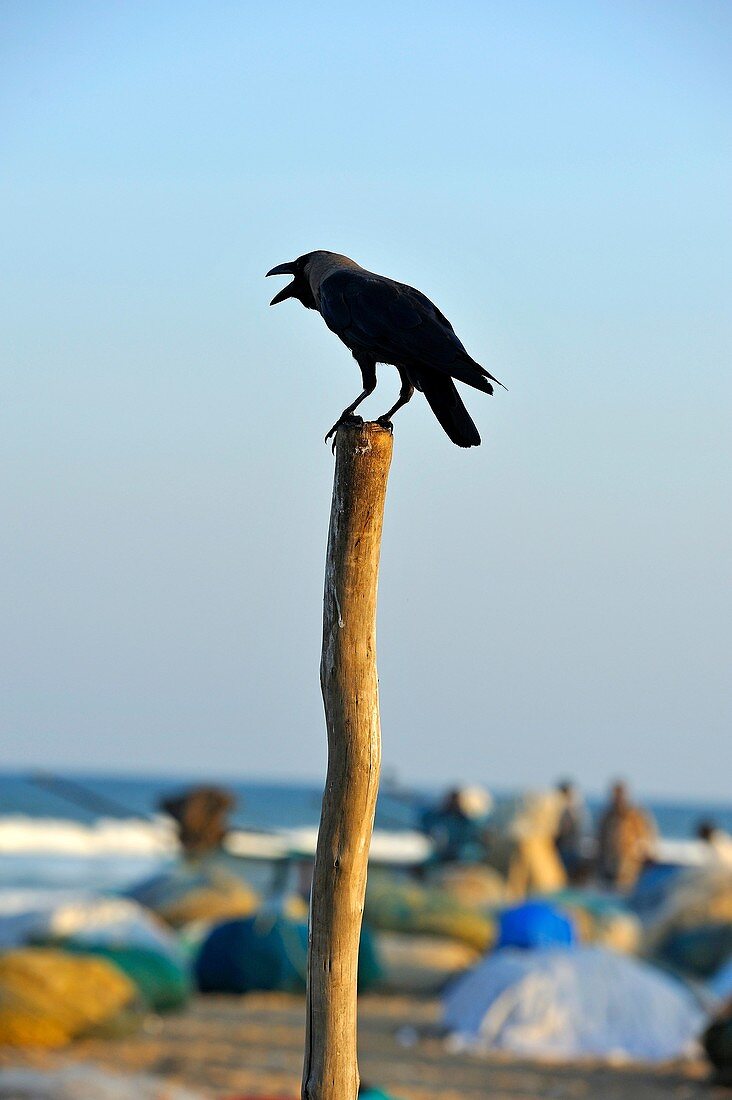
100	804
79	795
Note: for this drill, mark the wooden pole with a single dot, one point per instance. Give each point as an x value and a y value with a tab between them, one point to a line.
351	700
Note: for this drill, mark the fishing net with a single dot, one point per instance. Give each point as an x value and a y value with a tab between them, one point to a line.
395	905
197	890
48	997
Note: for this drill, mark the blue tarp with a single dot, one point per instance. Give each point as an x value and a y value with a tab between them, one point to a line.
721	984
572	1003
534	924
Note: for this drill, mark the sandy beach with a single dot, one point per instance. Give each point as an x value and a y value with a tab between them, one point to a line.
252	1045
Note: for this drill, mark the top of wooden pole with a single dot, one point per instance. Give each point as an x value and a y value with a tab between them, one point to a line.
363	457
369	433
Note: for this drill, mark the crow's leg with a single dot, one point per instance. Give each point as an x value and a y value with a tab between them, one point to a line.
368	374
347	416
405	394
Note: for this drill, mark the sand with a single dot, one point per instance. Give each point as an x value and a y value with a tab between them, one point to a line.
229	1046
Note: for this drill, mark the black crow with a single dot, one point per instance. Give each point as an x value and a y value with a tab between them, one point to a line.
382	321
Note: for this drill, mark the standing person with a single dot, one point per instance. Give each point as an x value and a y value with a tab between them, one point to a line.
534	866
718	843
570	829
624	841
456	825
201	819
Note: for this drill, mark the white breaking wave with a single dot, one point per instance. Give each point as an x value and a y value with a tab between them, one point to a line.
400	848
135	837
21	835
33	836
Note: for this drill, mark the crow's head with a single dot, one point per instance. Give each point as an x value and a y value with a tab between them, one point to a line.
300	286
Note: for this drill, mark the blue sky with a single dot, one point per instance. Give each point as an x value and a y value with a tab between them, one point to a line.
557	177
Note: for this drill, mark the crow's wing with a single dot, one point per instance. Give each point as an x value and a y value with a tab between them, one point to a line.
396	324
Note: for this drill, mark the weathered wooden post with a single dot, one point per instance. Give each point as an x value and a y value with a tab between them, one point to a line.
351	699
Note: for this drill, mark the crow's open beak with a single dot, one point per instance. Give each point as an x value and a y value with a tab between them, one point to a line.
289	290
286	292
281	269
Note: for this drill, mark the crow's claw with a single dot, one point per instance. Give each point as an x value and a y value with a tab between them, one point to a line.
386	423
344	422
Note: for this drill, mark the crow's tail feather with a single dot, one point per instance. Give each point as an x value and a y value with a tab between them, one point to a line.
445	402
472	374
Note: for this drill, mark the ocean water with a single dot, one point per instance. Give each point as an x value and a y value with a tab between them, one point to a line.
267	805
106	832
259	805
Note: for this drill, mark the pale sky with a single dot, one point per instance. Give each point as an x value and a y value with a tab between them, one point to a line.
557	177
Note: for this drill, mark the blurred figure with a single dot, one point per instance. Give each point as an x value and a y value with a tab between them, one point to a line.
201	818
625	839
534	865
719	843
456	825
570	829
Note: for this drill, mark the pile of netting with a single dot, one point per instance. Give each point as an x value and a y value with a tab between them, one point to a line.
396	905
48	997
